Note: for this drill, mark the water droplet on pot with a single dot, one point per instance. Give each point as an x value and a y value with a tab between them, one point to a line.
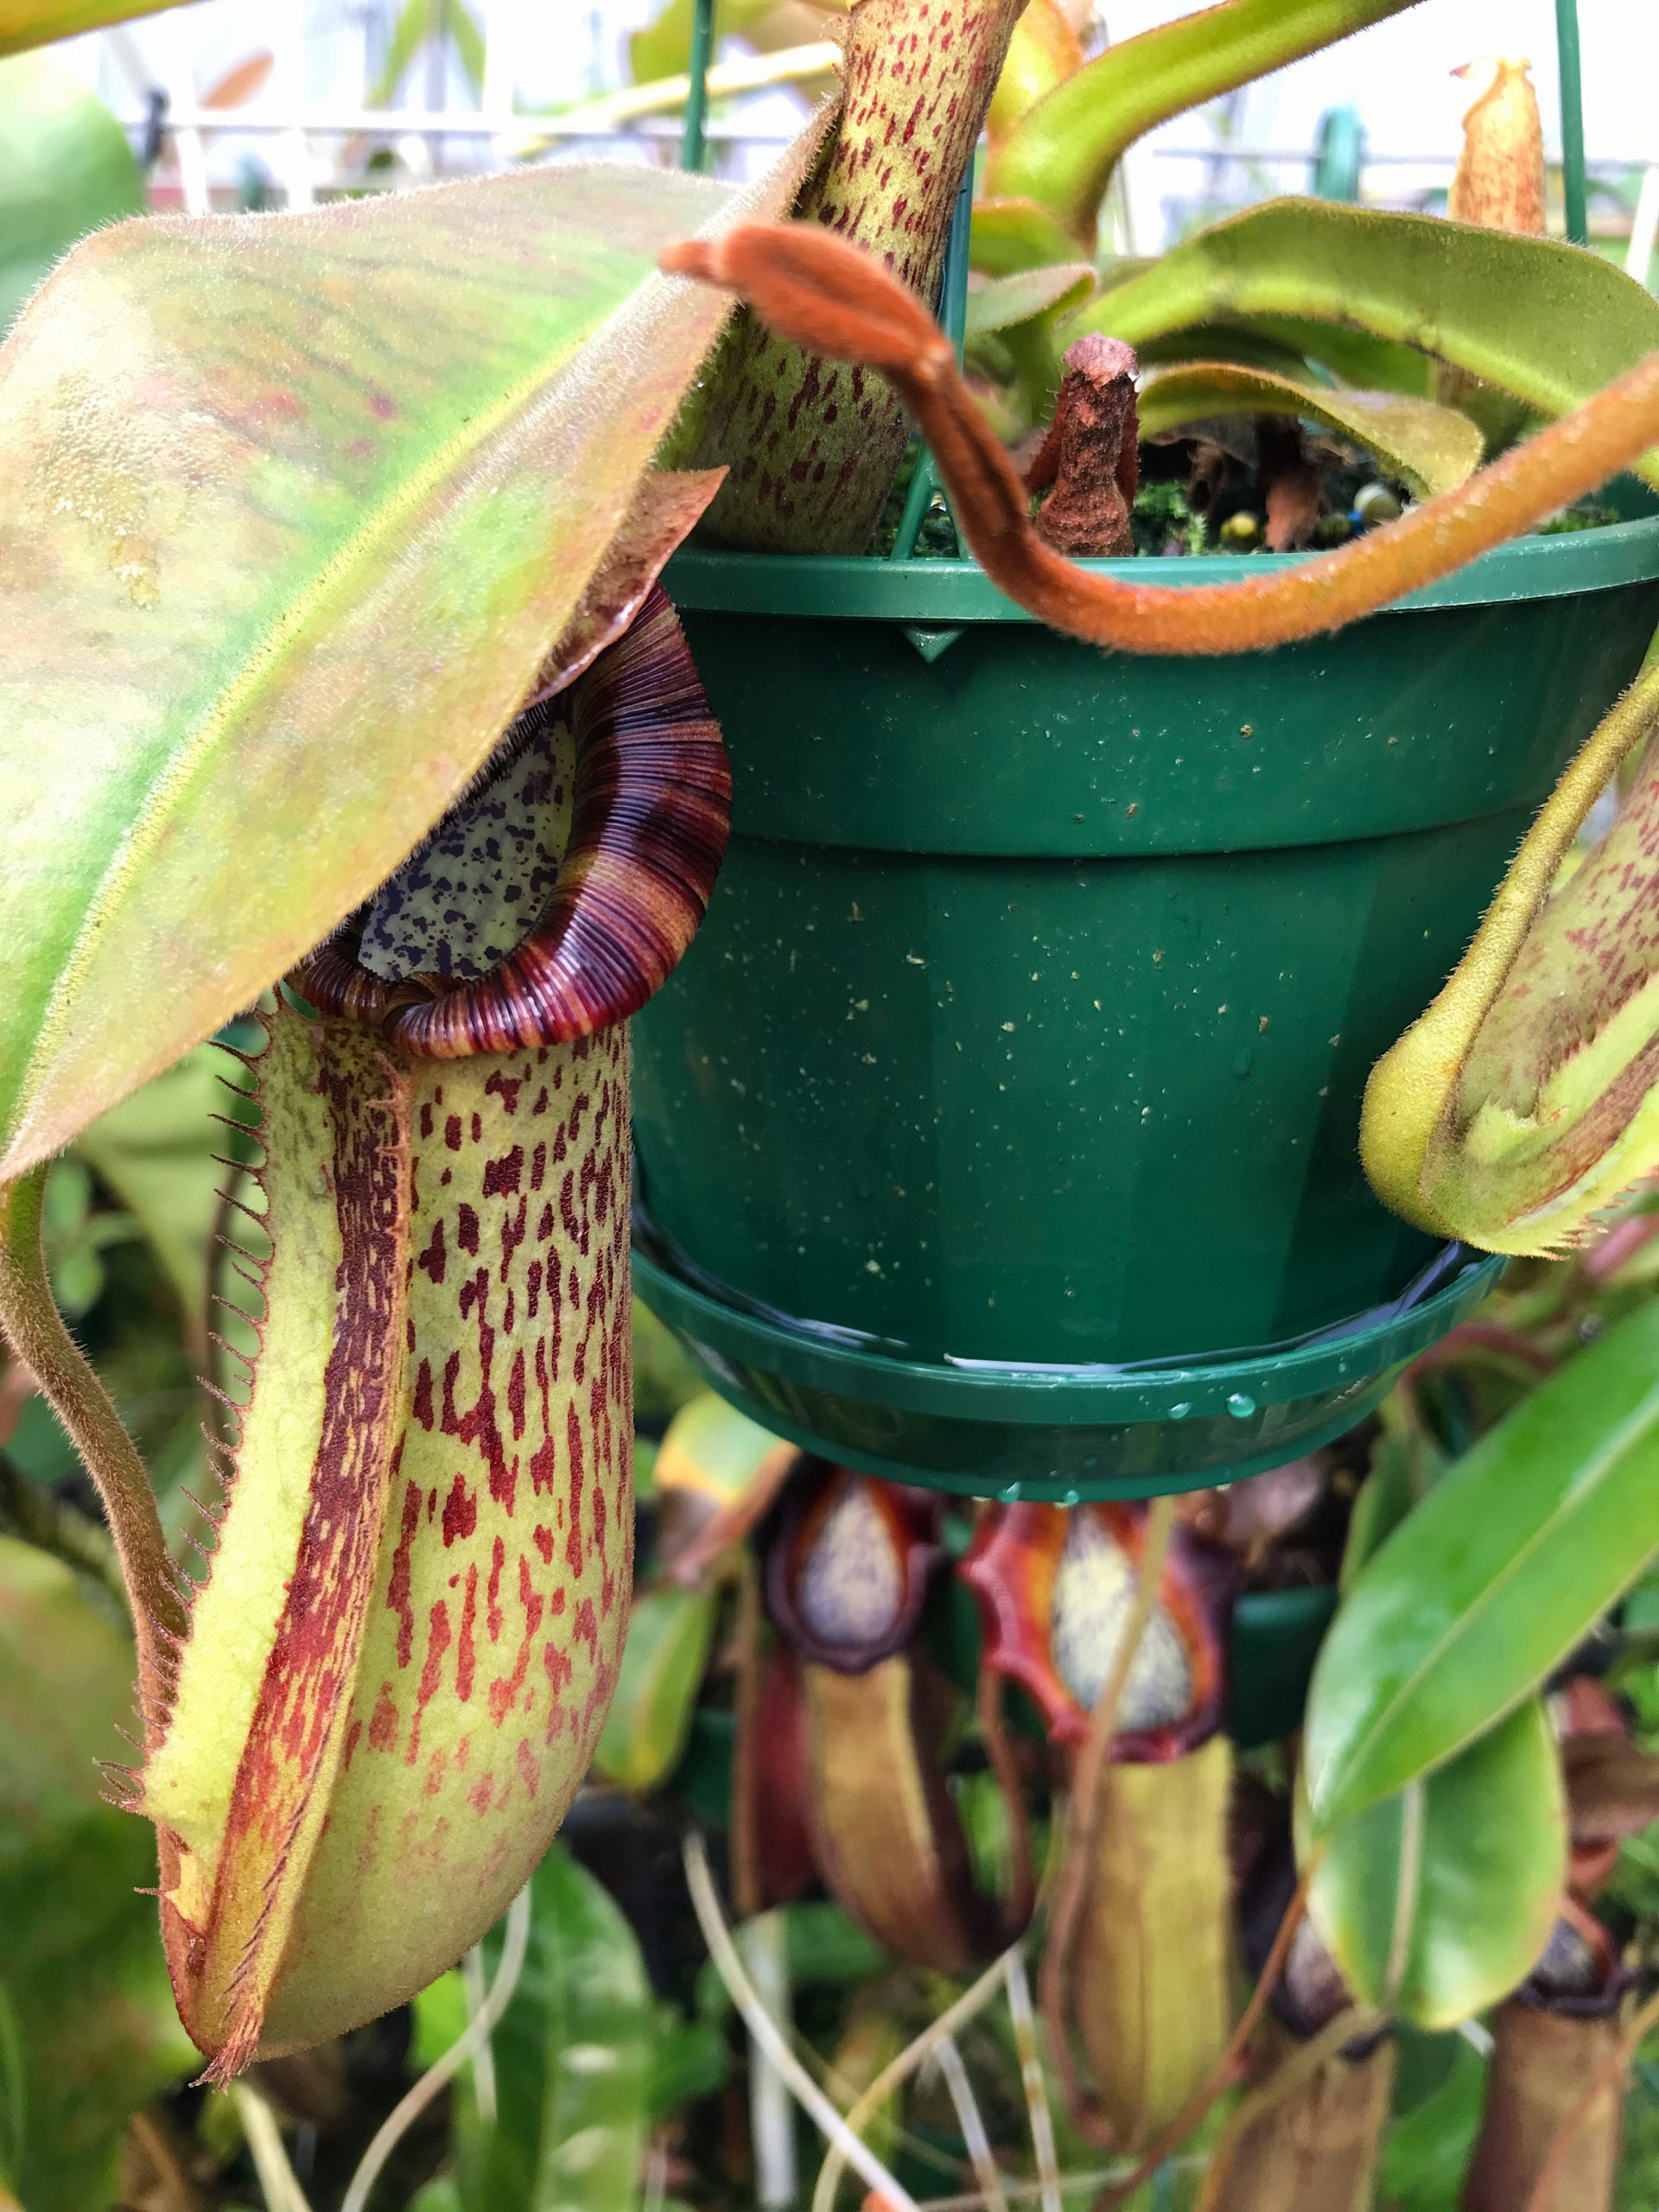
1070	1496
1241	1405
1010	1496
1179	1412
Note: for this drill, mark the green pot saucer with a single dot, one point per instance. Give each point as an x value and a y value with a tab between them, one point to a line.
1060	1434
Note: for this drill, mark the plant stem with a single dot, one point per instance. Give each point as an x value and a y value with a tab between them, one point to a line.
973	2000
409	2108
772	2124
954	2074
770	2037
34	1329
277	2179
1031	2081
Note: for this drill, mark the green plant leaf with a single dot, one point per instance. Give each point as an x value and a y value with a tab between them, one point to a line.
292	509
1354	356
1549	324
1437	1902
573	2058
410	32
1405	1465
85	1980
419	22
1062	151
670	1632
1005	301
1429	447
1492	1578
663	48
690	2058
1008	235
1429	2142
65	168
24	23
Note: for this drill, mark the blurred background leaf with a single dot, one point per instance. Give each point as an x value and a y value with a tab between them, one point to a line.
65	168
663	1661
94	2032
571	2059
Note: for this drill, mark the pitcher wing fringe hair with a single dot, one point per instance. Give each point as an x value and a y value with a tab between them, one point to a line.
821	291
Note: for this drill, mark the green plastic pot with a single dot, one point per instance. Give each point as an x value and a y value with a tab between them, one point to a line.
999	1128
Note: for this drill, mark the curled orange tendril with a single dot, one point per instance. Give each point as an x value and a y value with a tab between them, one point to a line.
824	293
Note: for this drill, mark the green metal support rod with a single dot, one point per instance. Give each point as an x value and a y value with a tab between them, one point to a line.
1573	181
696	103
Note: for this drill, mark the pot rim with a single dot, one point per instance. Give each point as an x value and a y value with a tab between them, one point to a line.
841	587
1028	1391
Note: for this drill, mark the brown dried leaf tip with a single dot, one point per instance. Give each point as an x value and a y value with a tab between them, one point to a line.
1088	464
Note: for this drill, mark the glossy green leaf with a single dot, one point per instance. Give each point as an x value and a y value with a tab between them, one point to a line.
85	1980
573	2059
1438	1901
292	509
1430	448
65	168
1550	324
1429	2146
1003	302
1492	1578
664	1661
1063	151
37	22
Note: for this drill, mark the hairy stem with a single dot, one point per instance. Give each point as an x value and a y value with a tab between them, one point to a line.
35	1330
819	290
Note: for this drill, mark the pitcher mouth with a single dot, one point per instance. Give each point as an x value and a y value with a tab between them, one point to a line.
621	867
